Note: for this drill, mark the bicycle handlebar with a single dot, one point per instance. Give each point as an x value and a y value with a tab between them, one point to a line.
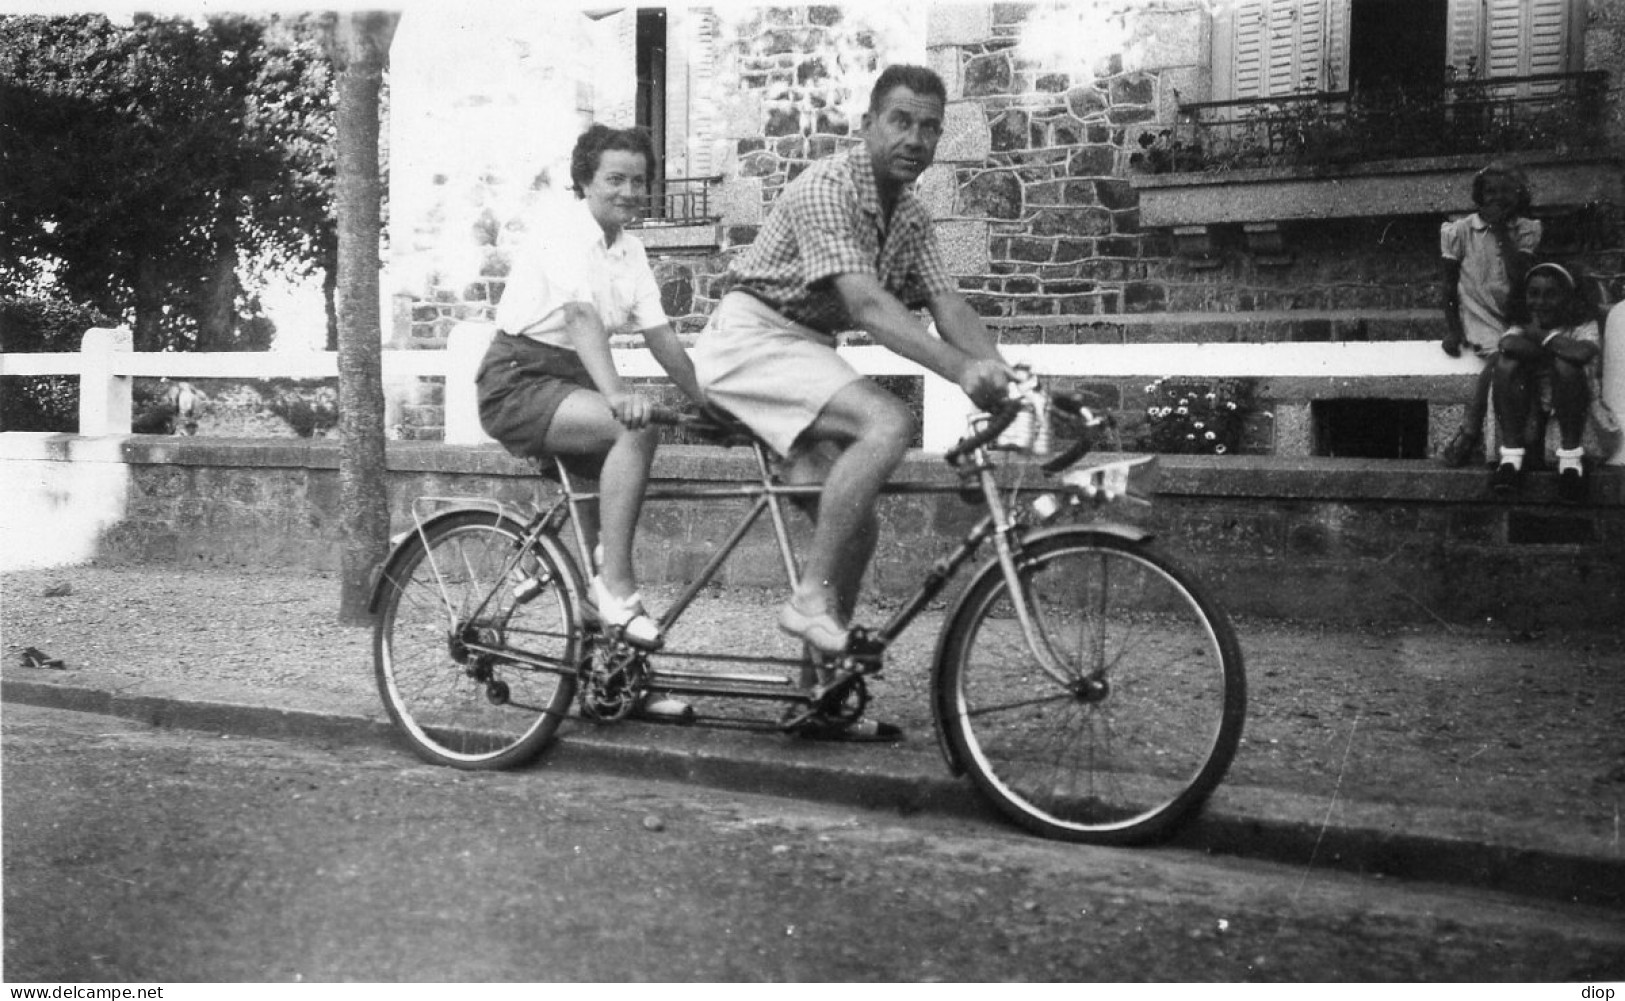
1070	403
995	426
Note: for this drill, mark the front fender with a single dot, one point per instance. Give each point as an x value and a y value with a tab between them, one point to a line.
942	699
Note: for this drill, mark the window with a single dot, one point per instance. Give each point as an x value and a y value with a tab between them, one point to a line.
1397	44
1273	48
651	98
676	56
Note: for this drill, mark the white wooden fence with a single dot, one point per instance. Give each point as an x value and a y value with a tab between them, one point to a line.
105	364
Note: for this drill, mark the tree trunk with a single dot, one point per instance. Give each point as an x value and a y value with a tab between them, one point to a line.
330	294
217	319
149	305
360	50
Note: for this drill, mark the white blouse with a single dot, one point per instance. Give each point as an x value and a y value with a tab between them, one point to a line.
565	260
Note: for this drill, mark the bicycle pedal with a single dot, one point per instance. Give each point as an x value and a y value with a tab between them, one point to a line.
795	717
857	664
861	645
836	690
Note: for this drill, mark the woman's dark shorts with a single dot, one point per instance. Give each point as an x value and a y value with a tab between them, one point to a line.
521	383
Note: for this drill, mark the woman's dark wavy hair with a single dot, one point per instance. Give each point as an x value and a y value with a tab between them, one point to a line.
1507	170
919	79
598	140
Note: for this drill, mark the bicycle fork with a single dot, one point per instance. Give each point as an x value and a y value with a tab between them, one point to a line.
1002	528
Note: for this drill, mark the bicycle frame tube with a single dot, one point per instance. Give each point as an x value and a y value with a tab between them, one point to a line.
768	496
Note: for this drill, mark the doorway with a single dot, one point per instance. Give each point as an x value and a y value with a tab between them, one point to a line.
1397	45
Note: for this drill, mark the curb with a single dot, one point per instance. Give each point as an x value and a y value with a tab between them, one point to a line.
1376	843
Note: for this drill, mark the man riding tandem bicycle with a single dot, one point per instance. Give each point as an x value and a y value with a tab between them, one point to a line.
1087	683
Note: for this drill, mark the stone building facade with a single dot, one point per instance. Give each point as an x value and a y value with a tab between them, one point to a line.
1055	229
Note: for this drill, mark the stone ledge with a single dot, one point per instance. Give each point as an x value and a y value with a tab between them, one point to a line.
1422	186
1240	476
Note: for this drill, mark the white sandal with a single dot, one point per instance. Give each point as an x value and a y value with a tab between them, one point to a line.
627	614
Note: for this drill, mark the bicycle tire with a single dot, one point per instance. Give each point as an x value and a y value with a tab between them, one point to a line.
468	578
1125	769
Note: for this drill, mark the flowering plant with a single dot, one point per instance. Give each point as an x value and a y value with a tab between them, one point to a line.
1196	416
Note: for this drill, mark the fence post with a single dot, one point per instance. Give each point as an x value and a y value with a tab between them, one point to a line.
945	411
1613	373
464	349
104	395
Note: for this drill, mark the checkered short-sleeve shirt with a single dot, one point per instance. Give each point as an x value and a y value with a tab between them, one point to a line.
828	222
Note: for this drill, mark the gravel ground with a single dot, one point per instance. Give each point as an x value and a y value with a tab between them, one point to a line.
1431	716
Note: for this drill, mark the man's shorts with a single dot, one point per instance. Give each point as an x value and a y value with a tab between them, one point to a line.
772	373
521	383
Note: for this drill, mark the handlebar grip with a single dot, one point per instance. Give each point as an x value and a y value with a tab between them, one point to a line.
1072	403
665	415
1073	453
995	426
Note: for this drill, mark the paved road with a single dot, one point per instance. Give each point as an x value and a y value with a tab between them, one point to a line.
134	854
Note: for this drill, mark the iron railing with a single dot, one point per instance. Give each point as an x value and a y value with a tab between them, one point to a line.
1547	111
681	201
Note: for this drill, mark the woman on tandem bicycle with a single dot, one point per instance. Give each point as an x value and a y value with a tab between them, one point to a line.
548	385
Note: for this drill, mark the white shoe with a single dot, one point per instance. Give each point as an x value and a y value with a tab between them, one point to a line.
627	614
665	708
819	631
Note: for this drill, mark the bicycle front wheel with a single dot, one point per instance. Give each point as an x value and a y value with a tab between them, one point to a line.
1151	711
477	642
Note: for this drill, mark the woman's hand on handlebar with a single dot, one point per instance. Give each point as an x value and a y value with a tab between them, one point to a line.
630	409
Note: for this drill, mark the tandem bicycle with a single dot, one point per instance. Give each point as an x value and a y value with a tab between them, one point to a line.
1089	684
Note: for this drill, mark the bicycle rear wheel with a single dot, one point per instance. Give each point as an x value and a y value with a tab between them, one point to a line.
1152	713
477	641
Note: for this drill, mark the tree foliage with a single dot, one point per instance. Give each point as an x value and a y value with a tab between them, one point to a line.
41	323
148	169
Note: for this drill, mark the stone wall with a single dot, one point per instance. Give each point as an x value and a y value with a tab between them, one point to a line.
1310	539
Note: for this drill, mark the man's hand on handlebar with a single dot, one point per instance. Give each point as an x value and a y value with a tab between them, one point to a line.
986	381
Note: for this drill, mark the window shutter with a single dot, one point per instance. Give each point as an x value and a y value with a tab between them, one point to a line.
1503	38
1295	46
702	116
1247	79
1465	43
1273	48
1548	50
1526	37
1337	45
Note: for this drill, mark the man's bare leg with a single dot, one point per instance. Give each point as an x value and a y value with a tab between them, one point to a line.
871	428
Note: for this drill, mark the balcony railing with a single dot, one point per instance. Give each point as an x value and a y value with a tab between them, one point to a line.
682	201
1493	115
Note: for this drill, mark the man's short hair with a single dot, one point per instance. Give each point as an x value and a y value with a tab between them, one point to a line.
919	79
595	142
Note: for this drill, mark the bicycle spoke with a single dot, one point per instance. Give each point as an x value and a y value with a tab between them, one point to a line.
449	639
1155	707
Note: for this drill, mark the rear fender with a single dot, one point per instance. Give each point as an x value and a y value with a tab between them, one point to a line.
401	544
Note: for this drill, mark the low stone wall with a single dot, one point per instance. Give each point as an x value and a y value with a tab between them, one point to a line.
1338	540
